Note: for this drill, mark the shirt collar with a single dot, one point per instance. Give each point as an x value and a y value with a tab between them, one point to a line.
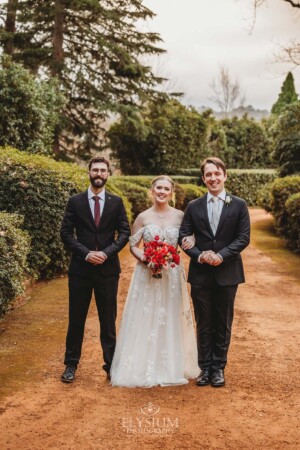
222	196
91	194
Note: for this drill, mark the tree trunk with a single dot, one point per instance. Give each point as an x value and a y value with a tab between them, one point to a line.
58	55
10	25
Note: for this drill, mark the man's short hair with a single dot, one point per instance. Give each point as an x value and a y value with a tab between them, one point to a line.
212	160
99	159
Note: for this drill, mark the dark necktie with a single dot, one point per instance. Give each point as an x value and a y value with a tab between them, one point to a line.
97	210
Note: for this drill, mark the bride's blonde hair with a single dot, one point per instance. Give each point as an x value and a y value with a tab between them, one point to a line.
165	178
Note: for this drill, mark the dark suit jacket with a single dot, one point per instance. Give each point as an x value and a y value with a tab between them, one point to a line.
80	234
232	236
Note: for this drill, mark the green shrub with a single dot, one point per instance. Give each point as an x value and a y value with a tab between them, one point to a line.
185	179
179	196
38	188
141	180
192	172
191	193
282	190
14	248
292	207
137	195
287	140
247	184
144	181
29	109
264	197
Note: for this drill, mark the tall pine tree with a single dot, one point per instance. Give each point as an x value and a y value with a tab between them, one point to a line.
287	96
95	48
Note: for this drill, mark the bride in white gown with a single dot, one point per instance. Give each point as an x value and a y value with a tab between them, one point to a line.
156	344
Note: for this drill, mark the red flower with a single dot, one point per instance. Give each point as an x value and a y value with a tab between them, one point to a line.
159	255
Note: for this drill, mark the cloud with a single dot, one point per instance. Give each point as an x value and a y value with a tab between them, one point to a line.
199	36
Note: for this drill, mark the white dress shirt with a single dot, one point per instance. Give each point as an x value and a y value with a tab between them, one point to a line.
92	202
222	197
92	206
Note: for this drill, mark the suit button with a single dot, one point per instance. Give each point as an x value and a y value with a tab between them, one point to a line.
215	241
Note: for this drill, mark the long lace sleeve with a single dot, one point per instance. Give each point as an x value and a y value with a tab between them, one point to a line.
136	238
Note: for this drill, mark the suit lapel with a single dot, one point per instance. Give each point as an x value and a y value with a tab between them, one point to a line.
106	208
204	208
86	205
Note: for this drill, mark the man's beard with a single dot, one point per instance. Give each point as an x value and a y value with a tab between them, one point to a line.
98	182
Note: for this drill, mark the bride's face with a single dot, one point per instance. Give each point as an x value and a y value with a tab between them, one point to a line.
162	191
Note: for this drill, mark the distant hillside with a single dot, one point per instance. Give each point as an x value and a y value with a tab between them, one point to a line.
257	114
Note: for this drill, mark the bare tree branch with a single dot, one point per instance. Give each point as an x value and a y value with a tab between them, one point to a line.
258	3
291	53
226	91
294	4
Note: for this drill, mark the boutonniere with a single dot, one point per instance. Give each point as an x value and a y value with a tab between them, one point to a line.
228	200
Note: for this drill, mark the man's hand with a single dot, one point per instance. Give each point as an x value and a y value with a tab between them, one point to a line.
210	258
96	258
188	242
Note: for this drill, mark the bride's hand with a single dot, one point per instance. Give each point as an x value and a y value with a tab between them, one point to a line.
188	242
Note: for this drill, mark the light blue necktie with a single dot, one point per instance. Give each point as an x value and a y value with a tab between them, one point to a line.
215	214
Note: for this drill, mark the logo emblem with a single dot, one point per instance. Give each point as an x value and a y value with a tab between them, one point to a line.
149	409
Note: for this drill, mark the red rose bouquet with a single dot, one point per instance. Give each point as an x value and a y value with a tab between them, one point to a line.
159	255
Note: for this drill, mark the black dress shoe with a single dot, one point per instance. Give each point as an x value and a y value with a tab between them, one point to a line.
218	379
204	378
69	374
108	376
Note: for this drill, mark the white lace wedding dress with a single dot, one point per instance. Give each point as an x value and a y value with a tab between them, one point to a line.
156	344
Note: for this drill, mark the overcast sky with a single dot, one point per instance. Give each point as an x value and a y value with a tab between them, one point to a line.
201	35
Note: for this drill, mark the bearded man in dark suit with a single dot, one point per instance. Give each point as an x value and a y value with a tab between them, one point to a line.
94	228
221	226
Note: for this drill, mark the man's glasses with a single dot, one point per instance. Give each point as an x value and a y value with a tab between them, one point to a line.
94	171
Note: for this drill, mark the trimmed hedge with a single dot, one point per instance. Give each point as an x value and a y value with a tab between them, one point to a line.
145	180
292	207
14	248
281	191
185	179
183	192
192	172
191	193
38	188
264	197
137	195
140	180
248	184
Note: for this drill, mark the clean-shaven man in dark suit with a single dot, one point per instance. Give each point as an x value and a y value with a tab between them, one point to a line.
221	226
95	228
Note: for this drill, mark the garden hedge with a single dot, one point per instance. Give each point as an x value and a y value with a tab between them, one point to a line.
184	192
246	184
137	195
191	193
283	205
38	188
14	248
292	206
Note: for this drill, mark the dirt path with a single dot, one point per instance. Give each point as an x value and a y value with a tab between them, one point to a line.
258	408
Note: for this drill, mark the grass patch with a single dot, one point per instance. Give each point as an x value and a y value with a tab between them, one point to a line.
263	237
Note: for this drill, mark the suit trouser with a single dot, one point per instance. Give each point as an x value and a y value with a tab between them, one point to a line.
214	309
80	294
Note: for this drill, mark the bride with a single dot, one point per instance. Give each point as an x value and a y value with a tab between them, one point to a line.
156	343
